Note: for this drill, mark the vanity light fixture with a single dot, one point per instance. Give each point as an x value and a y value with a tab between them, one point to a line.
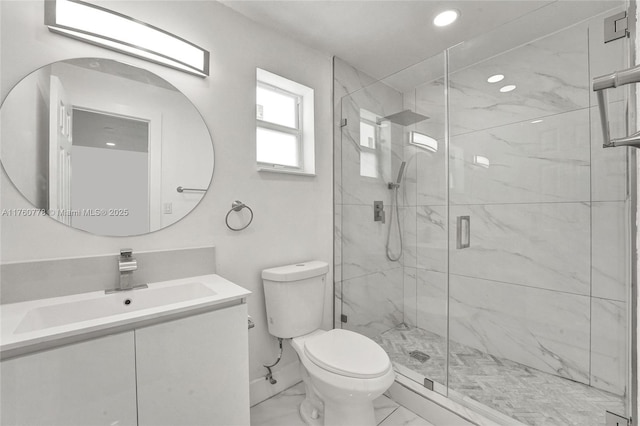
445	18
423	141
536	121
106	28
110	144
495	78
508	88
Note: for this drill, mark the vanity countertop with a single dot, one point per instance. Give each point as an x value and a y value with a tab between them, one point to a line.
45	323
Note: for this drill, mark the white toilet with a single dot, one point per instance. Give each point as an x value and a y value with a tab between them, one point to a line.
343	371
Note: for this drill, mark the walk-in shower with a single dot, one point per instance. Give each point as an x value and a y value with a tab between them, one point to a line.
528	321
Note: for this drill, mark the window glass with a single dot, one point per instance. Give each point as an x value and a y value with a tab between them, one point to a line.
276	107
367	135
277	147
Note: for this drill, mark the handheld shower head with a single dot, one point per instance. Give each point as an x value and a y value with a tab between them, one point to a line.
401	172
392	185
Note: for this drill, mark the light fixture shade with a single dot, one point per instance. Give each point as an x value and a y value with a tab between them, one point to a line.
423	141
112	30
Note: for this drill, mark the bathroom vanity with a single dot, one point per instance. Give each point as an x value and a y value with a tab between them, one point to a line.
175	353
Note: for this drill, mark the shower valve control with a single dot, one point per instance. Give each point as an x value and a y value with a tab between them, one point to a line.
378	211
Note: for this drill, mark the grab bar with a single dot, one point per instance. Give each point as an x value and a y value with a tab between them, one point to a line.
600	85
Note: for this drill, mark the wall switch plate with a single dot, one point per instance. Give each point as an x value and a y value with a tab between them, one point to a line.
167	208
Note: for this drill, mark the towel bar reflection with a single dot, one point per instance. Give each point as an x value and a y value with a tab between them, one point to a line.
600	85
183	189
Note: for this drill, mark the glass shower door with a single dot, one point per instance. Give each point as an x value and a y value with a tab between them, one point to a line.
538	232
392	279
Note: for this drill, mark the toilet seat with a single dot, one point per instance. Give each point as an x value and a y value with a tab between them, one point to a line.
348	354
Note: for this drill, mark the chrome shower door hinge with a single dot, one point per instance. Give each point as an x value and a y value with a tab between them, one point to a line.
343	318
343	122
428	384
615	27
612	419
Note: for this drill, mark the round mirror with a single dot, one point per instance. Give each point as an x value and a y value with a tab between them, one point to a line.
105	147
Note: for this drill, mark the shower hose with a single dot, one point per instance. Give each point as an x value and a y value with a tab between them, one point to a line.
394	206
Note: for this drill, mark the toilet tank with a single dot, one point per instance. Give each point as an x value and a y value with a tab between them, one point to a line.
294	298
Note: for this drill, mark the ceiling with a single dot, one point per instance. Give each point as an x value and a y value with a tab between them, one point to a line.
382	37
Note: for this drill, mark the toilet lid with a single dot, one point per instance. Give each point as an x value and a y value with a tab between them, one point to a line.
348	354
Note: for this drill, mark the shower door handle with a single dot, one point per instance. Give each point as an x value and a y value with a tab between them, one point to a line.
463	232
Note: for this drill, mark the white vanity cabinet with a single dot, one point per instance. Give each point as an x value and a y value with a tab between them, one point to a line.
87	383
194	371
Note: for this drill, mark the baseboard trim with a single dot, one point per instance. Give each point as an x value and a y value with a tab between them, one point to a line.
260	389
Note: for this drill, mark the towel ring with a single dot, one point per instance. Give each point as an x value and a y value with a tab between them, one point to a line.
236	207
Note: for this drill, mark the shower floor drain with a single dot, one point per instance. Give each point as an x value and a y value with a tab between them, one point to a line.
420	356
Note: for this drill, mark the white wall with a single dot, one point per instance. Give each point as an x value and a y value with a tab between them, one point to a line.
293	214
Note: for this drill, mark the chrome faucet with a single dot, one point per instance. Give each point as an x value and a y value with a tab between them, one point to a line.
127	264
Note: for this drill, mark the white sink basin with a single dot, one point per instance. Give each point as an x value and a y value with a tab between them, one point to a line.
110	304
40	324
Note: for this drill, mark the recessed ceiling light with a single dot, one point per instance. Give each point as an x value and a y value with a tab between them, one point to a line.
111	144
495	78
446	18
507	88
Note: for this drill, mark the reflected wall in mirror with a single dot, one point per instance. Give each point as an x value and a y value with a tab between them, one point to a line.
102	146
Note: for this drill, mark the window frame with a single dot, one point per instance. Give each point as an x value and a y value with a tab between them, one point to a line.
295	131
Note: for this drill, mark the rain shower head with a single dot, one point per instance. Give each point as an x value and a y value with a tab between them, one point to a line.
404	118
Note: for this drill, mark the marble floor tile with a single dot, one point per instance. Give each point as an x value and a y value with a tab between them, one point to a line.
402	416
524	393
282	410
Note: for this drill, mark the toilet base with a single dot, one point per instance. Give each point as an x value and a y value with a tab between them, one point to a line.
316	412
307	412
312	408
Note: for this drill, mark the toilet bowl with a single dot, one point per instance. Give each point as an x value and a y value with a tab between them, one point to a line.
343	371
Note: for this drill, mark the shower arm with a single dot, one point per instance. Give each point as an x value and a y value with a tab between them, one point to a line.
600	85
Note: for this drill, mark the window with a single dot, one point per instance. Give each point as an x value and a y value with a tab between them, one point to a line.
284	125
